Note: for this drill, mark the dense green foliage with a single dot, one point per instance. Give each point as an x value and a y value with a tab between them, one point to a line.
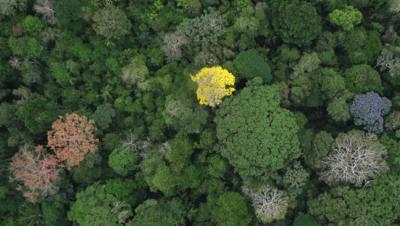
102	204
153	213
363	78
251	64
123	160
296	22
346	18
105	118
375	205
257	135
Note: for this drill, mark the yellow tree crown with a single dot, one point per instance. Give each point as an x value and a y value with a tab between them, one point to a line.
214	83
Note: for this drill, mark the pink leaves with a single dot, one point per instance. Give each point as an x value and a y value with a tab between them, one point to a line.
71	139
37	172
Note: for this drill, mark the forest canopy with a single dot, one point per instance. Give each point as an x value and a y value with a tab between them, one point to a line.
199	113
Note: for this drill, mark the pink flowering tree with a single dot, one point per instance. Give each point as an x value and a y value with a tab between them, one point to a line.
35	172
72	138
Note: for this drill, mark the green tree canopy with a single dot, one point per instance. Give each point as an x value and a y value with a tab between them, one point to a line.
154	213
376	205
97	206
346	18
257	136
123	160
169	168
252	64
296	22
111	22
231	209
362	78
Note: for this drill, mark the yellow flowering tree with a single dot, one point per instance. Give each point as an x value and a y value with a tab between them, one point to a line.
214	83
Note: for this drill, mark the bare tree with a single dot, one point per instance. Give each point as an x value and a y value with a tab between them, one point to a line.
10	7
356	158
15	62
46	9
269	203
142	147
173	44
22	93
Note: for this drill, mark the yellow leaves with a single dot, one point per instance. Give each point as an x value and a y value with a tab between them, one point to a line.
214	83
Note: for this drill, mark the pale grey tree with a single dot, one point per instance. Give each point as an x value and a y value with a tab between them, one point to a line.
356	158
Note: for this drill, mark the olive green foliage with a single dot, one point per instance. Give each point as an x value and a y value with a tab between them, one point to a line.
305	220
131	191
297	22
389	61
32	24
97	206
332	83
361	46
29	69
302	80
103	116
26	47
339	107
231	209
321	146
169	169
68	12
37	114
217	166
192	7
307	63
28	214
205	29
54	212
396	99
295	180
88	171
247	23
346	18
392	121
392	145
6	112
159	212
362	78
135	73
254	121
60	73
3	192
182	114
251	64
285	58
111	22
216	190
371	206
123	160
